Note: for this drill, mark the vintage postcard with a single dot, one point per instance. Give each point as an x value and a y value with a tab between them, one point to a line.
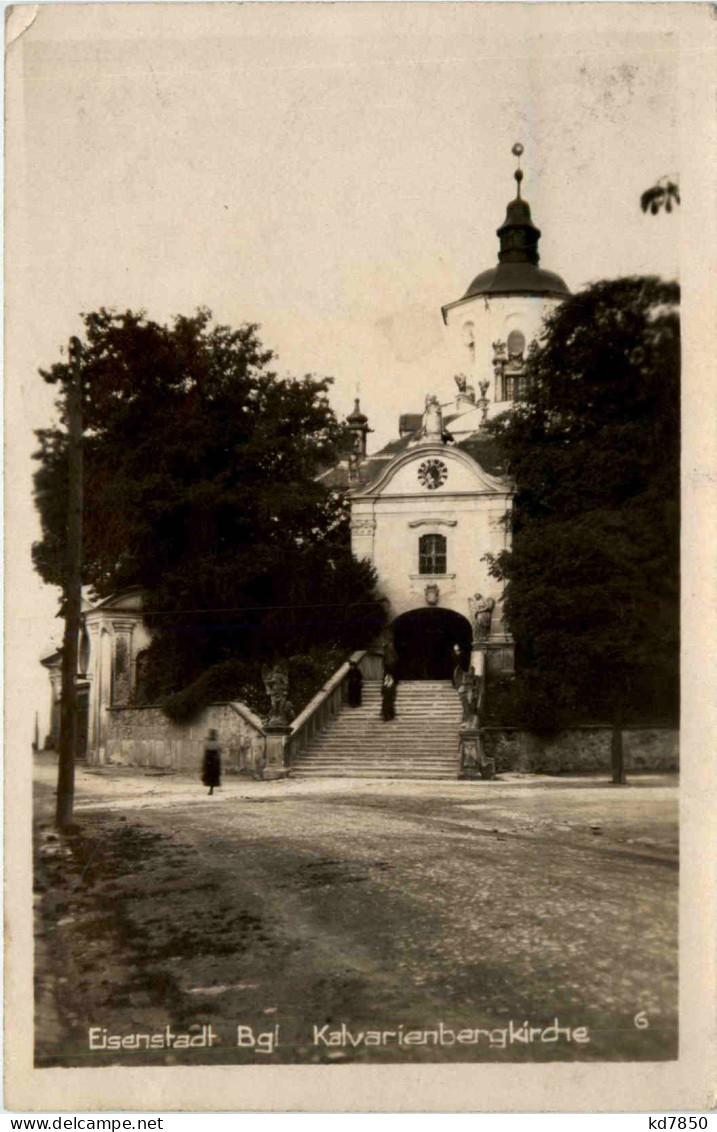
358	752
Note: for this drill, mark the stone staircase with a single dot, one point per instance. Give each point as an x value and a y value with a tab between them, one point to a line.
421	742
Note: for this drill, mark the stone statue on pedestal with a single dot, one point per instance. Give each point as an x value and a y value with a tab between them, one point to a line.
481	614
482	402
466	392
469	691
473	760
432	423
276	682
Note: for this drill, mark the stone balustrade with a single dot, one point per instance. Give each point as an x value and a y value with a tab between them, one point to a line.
328	701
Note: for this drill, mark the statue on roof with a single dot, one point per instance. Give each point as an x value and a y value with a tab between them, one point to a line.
483	402
465	391
432	423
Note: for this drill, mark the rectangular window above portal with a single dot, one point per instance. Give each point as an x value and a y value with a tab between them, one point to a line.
432	554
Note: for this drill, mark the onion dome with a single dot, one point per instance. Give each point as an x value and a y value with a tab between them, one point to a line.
357	419
517	270
358	423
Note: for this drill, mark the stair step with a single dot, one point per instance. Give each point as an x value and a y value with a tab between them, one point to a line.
416	776
421	742
414	746
335	745
380	753
381	756
443	767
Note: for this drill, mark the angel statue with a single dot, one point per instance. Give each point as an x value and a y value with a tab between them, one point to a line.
481	613
276	682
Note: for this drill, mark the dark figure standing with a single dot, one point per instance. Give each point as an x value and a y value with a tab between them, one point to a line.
388	697
459	666
212	764
390	658
354	681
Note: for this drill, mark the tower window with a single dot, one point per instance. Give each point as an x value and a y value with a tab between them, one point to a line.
432	554
515	387
515	383
516	344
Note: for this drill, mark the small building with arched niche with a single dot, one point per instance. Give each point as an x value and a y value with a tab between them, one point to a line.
116	642
112	647
429	507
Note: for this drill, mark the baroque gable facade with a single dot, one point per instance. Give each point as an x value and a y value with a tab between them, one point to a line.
429	507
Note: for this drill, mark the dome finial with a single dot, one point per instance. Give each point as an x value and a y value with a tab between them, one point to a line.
517	151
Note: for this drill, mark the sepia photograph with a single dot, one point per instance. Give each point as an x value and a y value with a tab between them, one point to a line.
344	432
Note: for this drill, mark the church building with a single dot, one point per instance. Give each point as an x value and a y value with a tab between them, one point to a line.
429	506
426	510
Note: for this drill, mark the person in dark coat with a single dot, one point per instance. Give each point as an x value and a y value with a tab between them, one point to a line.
390	658
355	683
388	697
212	763
459	666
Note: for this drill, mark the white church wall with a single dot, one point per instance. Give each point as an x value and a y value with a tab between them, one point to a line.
468	509
475	324
471	528
459	476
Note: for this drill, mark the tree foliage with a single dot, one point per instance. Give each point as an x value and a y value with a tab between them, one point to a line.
200	466
592	579
663	194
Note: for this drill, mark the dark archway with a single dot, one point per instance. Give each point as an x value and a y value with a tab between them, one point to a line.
424	640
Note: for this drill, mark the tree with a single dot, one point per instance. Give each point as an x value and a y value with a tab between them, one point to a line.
592	578
200	468
663	194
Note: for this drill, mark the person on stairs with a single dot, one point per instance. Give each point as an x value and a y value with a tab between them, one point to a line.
459	665
212	764
388	698
390	658
354	681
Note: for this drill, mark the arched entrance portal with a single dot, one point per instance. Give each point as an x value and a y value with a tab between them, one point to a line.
424	640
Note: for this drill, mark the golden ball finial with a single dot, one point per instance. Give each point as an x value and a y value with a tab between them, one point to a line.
517	151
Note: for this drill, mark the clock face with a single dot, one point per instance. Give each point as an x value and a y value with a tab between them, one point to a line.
432	473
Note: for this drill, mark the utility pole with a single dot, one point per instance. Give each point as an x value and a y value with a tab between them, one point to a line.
72	592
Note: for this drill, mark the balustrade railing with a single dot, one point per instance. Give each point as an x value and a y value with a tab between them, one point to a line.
328	701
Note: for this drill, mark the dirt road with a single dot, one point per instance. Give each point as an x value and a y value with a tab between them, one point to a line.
358	921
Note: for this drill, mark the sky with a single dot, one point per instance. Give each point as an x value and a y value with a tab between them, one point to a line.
333	172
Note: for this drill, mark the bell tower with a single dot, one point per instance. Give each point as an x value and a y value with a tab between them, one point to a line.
492	326
358	423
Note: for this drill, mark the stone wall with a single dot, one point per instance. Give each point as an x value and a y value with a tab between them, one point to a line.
582	749
145	737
